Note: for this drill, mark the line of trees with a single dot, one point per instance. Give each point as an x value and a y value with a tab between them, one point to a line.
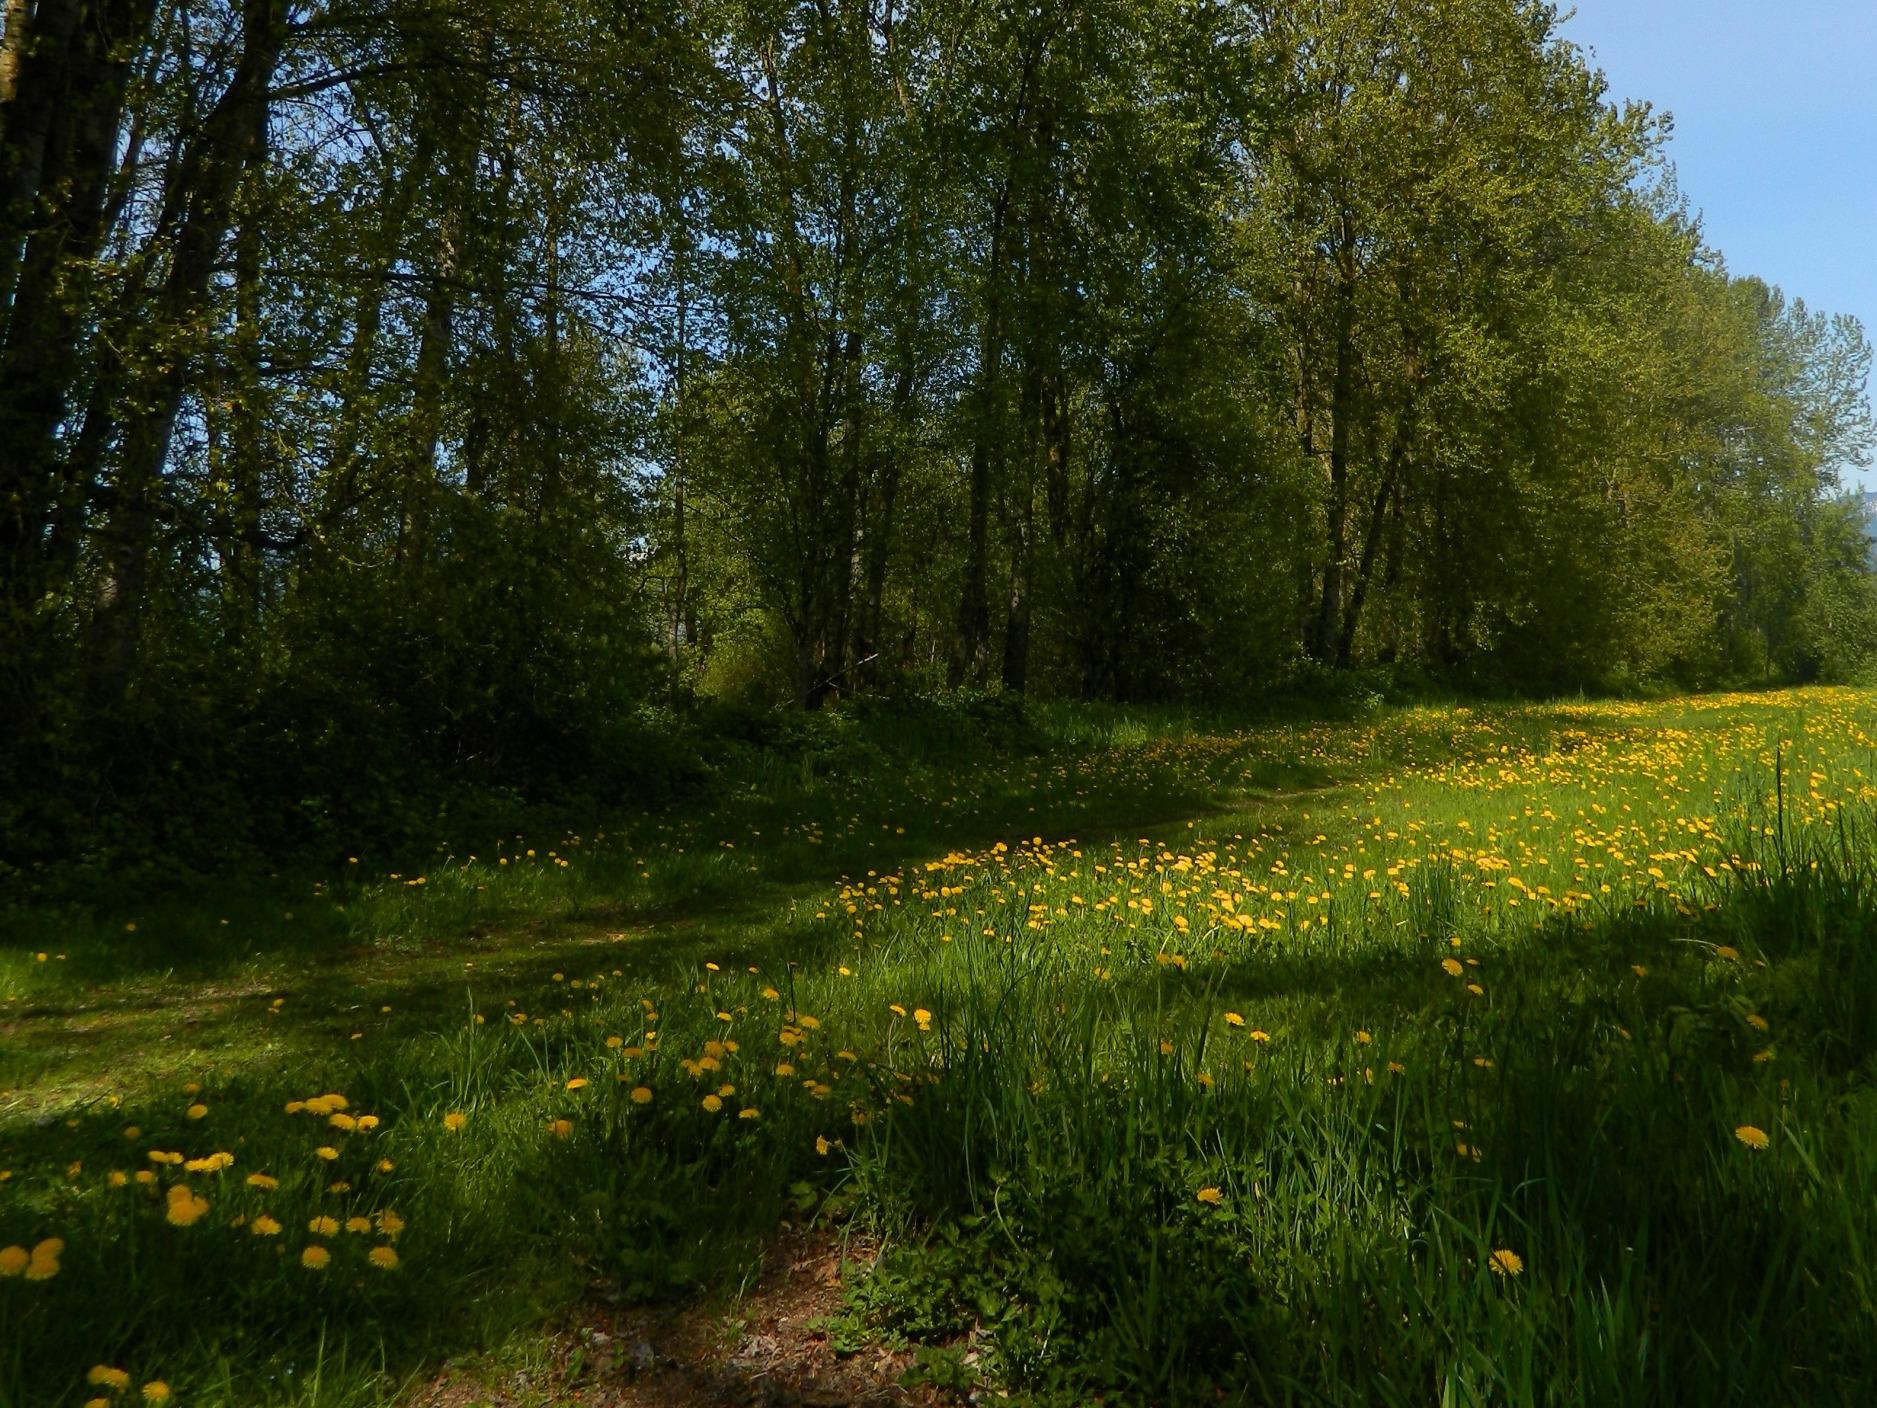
462	375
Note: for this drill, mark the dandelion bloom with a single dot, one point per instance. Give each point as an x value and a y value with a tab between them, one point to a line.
326	1152
577	1083
156	1391
315	1257
1752	1136
43	1264
196	1112
641	1095
262	1180
1452	967
384	1258
1506	1262
13	1260
185	1208
456	1119
390	1224
560	1129
1260	1036
358	1224
1232	1019
323	1226
264	1226
748	1114
713	1103
104	1376
821	1144
1211	1196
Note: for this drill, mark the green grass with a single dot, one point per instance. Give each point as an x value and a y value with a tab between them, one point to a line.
1030	999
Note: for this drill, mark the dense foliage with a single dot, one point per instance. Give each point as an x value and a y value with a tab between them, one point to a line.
393	390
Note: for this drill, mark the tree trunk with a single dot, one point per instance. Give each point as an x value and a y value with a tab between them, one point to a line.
207	179
1342	412
59	127
242	552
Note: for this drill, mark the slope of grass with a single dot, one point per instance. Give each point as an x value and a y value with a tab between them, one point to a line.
1511	1054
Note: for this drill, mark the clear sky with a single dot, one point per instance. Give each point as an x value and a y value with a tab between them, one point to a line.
1775	106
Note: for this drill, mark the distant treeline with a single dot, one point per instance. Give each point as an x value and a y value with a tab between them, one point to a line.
398	388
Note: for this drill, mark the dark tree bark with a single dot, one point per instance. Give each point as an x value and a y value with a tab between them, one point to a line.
207	180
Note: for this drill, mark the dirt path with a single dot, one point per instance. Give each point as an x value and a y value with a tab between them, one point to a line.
769	1350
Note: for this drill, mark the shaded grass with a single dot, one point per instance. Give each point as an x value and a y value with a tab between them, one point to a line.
1032	1159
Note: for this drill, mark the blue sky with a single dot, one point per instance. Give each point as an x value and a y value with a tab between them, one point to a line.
1775	106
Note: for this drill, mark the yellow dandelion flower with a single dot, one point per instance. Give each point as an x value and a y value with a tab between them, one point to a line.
1451	966
315	1258
261	1180
1752	1136
455	1120
196	1112
560	1129
326	1152
641	1095
1210	1196
185	1209
323	1226
713	1103
14	1260
104	1376
577	1083
822	1145
749	1113
384	1258
358	1224
1232	1019
156	1391
264	1226
1506	1262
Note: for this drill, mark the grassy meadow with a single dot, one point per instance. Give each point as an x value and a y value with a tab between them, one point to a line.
1499	1054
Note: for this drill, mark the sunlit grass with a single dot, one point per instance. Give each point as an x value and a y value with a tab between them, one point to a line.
1508	1054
